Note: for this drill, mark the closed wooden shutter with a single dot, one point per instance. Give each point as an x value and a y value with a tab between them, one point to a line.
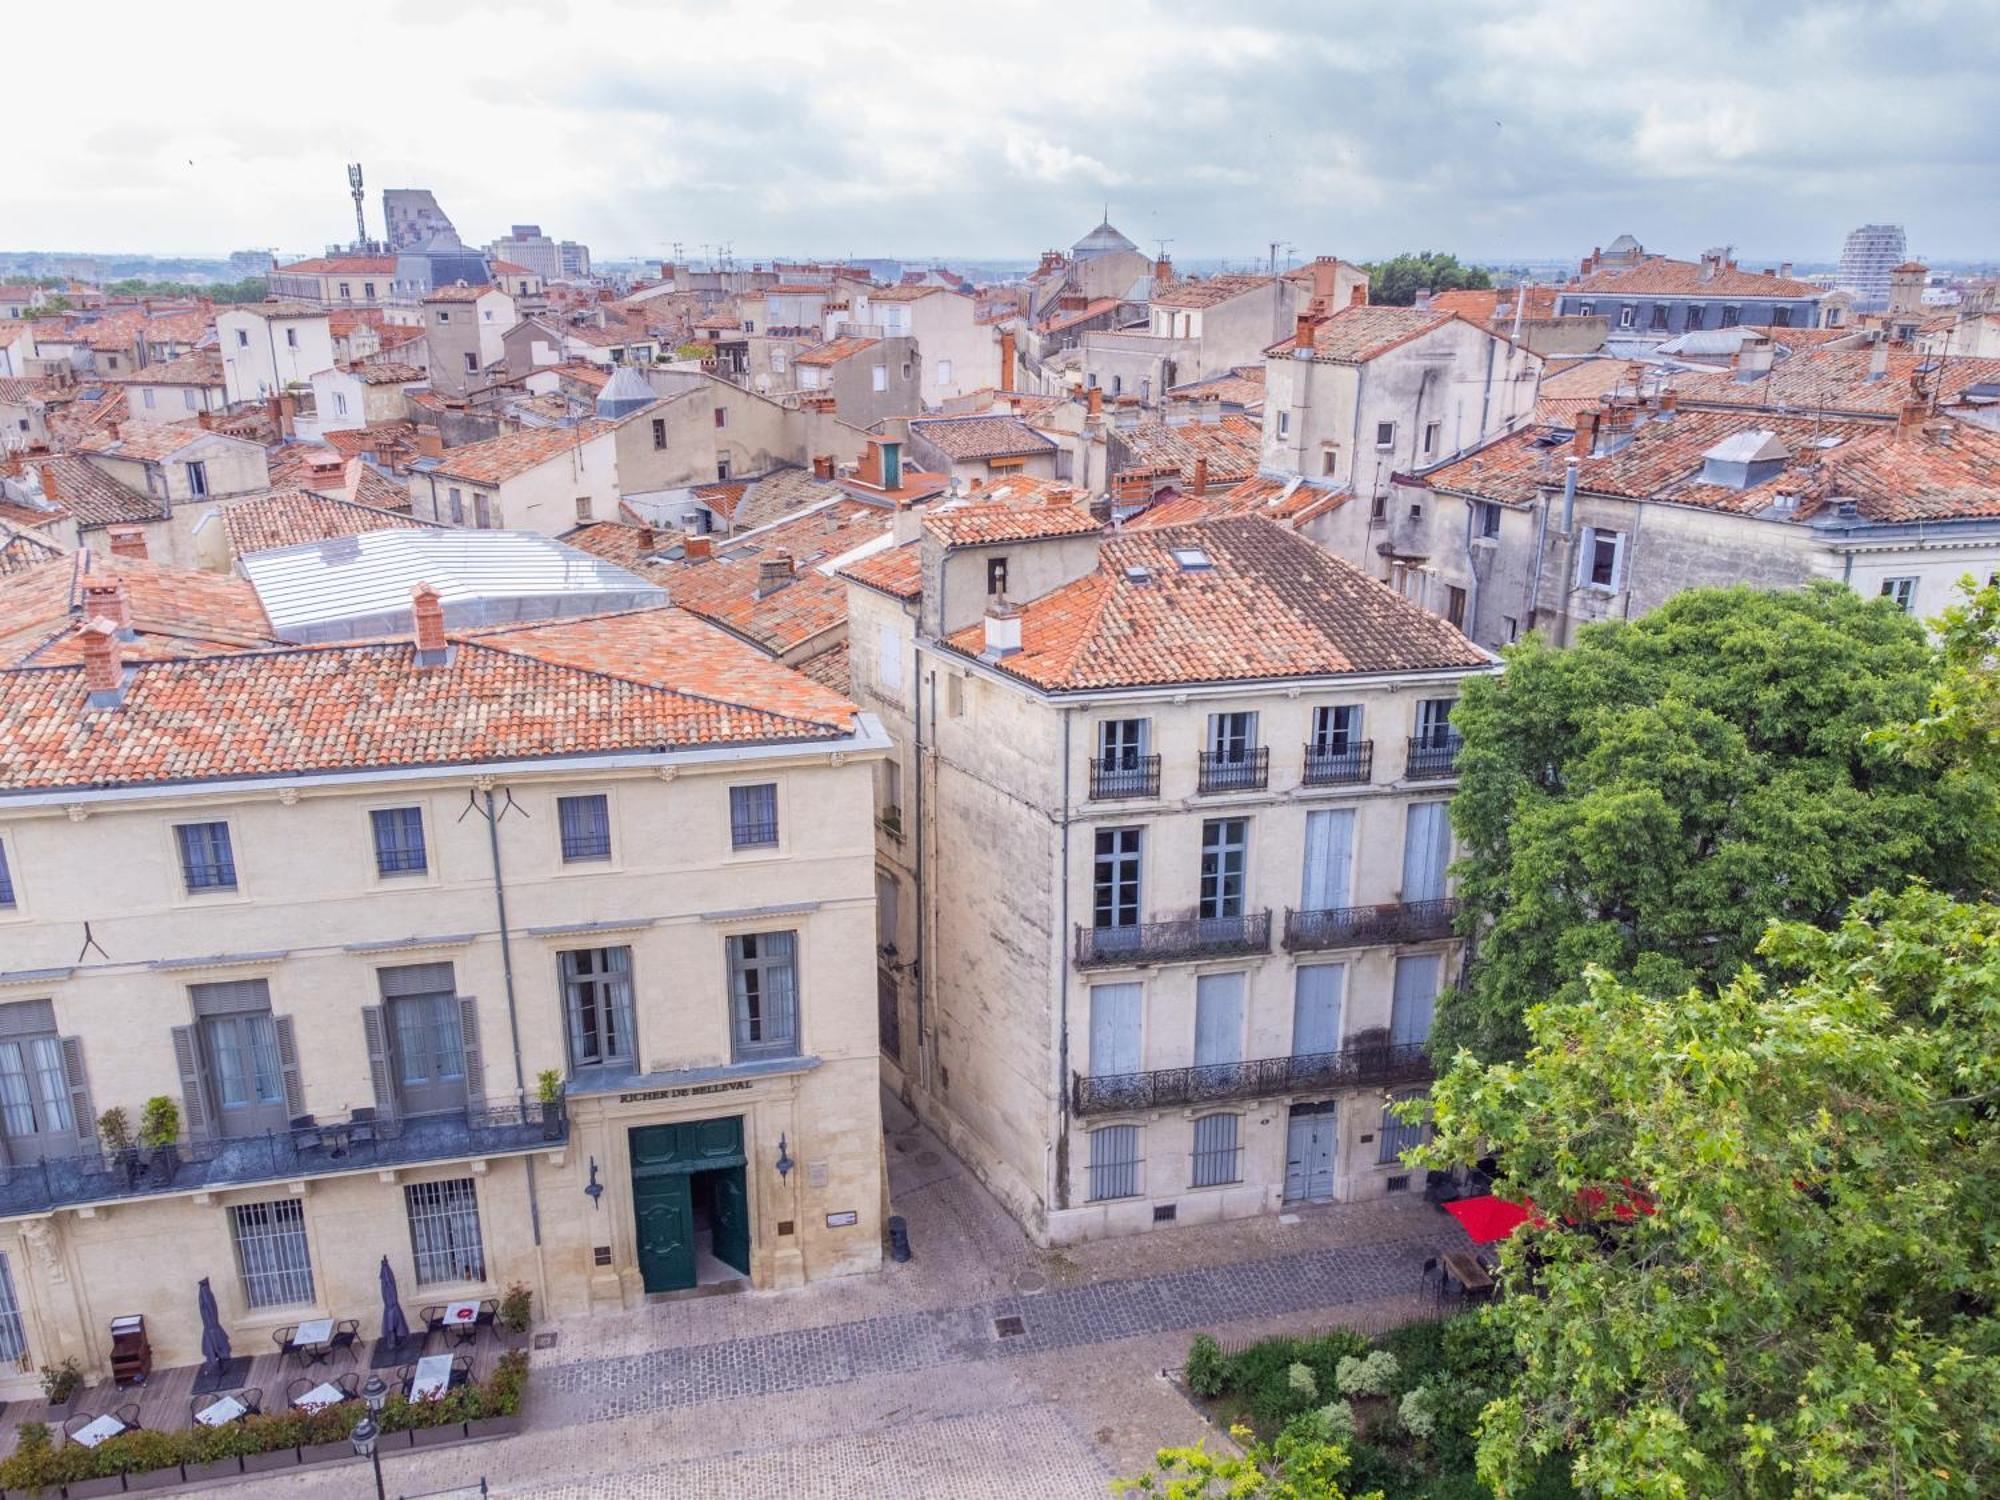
79	1093
375	1028
194	1095
288	1060
475	1066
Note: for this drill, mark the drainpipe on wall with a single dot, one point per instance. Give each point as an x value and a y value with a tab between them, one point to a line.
1062	987
1566	584
513	1011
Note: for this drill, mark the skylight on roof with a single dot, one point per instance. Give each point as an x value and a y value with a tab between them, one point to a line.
1138	575
1191	558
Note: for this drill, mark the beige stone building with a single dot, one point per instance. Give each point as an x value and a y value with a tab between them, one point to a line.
1163	869
342	906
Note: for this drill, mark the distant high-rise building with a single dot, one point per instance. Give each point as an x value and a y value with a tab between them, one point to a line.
526	245
1872	251
411	216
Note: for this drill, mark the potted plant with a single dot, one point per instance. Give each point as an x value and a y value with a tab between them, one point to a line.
549	1089
152	1458
517	1306
114	1129
160	1133
60	1383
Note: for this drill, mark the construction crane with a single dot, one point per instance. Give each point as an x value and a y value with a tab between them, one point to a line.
360	216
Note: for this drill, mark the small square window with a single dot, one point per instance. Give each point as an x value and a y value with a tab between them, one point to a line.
399	840
207	861
471	363
1903	591
753	816
1284	424
583	507
242	339
291	338
722	416
996	576
586	827
1385	434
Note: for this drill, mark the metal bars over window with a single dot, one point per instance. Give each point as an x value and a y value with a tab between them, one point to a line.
444	1231
271	1252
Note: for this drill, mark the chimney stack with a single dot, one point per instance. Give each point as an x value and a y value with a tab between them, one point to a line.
1358	297
428	611
774	571
126	541
1302	332
1201	474
1878	361
646	538
103	672
1163	272
205	420
698	549
823	466
1006	362
1586	434
1910	420
1094	403
104	598
1003	628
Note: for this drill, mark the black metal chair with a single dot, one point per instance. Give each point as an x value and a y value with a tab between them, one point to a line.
346	1338
305	1133
282	1337
299	1386
1432	1282
72	1425
349	1385
252	1398
489	1312
461	1371
432	1317
361	1127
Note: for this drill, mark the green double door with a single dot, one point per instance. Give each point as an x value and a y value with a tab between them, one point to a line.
688	1187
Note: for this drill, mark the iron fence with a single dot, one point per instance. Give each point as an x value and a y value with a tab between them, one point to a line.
1368	1066
1360	926
1190	937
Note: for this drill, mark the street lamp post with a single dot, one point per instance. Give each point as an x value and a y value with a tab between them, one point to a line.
367	1435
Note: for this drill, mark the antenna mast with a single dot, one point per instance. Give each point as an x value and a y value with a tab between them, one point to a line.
360	217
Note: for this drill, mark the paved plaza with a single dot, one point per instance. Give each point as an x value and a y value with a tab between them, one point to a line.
913	1381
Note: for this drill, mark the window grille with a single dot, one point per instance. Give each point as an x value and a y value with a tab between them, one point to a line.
1215	1151
1396	1136
399	840
13	1336
271	1252
444	1231
207	862
1114	1162
586	827
753	816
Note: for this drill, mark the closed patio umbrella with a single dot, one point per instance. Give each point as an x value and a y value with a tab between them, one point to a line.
395	1327
214	1342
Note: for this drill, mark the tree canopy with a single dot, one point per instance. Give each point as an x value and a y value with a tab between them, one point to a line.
1397	280
1799	1294
1650	798
1295	1466
1961	725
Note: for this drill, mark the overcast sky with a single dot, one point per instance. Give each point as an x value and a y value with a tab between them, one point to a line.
1516	128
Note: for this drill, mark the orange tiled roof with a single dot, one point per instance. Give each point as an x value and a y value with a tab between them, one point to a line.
386	372
1242	385
496	460
1283	497
148	442
1231	447
90	494
969	439
342	265
1659	275
1269	605
286	518
457	293
1094	309
896	571
190	369
1838	380
175	613
1209	291
587	687
1355	335
834	352
1015	509
829	669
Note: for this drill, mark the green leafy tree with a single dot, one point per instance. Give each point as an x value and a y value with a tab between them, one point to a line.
1299	1465
1650	798
1809	1306
1961	725
1397	280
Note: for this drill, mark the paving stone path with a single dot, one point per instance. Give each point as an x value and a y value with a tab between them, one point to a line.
802	1359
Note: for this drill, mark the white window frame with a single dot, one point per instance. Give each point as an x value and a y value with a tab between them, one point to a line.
1903	591
1586	562
447	1241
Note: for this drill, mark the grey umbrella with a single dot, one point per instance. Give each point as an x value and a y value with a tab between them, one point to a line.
214	1342
395	1327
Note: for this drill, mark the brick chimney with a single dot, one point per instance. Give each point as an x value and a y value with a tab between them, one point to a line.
774	571
1359	296
1302	332
430	442
104	598
428	612
1910	420
646	538
823	466
126	541
698	549
1003	629
1163	272
1006	362
103	672
1201	475
1094	403
205	420
1586	434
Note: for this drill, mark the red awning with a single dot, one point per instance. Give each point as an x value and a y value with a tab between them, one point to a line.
1488	1219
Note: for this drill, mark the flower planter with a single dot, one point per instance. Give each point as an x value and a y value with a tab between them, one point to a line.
325	1453
156	1479
221	1468
437	1437
493	1427
265	1463
84	1489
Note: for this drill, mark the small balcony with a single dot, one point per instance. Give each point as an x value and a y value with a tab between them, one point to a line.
1364	926
1165	942
1344	766
1238	771
1124	776
1433	757
361	1144
1370	1065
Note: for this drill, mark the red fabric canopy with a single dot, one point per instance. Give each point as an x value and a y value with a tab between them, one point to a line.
1488	1218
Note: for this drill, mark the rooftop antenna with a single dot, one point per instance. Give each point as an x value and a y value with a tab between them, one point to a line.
360	217
1161	254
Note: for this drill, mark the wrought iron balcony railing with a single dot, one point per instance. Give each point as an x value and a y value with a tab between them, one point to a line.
1191	937
1245	771
1360	926
1350	763
1433	757
1368	1066
275	1156
1124	776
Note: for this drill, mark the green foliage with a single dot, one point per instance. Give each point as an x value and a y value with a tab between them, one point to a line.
1295	1467
549	1086
1206	1370
1369	1375
1262	1374
250	289
1397	281
1331	1423
1301	1382
1650	798
516	1308
1810	1307
159	1122
1417	1411
59	1382
114	1128
1961	722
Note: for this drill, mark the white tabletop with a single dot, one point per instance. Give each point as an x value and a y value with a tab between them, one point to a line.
323	1394
433	1377
221	1412
456	1313
106	1426
318	1331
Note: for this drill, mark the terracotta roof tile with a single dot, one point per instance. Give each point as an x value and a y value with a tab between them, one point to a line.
1269	604
190	369
175	613
1838	380
1231	447
342	265
834	352
1659	275
1016	509
968	439
496	460
90	494
1209	291
286	518
1355	335
896	571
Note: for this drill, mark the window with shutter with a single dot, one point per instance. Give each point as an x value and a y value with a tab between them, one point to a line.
1317	995
1216	1157
597	1007
1115	1029
426	1038
1426	850
242	1065
1414	999
37	1107
1114	1162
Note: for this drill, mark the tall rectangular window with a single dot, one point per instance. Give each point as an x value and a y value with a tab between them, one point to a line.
1601	565
399	840
764	994
1486	517
1115	897
753	816
1434	722
426	1037
1225	844
482	511
586	827
35	1085
1114	1162
197	479
1231	737
1336	728
1329	870
444	1231
1318	992
13	1335
659	432
1903	591
271	1252
1414	999
1116	1029
1215	1151
597	1006
207	862
1426	850
1396	1136
6	880
1218	1020
243	1068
